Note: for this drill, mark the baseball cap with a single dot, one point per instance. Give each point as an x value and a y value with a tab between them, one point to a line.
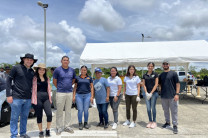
165	61
98	70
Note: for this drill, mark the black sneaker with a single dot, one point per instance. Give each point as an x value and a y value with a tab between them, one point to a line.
106	126
175	129
86	125
80	126
47	133
166	125
41	134
100	124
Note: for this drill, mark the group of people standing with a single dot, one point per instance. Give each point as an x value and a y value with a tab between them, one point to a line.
34	87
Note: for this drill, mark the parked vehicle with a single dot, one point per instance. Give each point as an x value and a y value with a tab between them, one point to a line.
5	109
182	76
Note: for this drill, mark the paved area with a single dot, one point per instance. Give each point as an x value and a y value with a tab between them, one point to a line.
193	123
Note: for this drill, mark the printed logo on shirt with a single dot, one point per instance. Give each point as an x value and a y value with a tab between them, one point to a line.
97	86
153	76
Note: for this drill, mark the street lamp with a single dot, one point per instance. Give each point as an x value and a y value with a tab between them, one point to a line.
145	37
44	6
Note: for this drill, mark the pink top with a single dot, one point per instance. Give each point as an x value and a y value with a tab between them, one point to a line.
34	91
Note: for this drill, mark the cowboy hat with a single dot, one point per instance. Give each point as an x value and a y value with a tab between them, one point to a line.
41	65
30	56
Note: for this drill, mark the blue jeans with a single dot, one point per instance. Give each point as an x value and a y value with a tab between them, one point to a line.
19	107
114	106
103	112
83	104
151	106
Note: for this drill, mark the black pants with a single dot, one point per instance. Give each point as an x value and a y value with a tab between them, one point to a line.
131	101
43	103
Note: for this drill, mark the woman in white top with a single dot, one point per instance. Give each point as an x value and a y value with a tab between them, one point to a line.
131	94
115	89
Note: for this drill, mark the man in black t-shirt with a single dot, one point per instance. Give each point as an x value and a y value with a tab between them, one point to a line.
170	86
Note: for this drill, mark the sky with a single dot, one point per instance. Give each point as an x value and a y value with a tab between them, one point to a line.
73	23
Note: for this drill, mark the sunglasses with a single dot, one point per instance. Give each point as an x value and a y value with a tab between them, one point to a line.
165	63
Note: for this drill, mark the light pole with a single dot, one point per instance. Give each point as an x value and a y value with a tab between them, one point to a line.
44	6
145	37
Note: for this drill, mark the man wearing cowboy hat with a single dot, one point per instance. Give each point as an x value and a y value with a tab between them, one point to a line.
20	97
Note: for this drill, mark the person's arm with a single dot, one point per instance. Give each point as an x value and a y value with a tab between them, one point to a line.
9	85
124	90
108	94
176	97
55	82
119	84
119	90
74	77
73	81
74	92
155	86
92	92
143	85
55	77
138	88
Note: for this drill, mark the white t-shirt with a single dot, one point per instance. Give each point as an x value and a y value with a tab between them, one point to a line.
114	82
131	85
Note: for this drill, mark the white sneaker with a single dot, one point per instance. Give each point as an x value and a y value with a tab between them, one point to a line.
132	125
126	123
114	126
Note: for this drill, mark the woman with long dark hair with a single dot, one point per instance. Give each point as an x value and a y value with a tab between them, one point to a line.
83	94
150	82
115	84
41	98
132	94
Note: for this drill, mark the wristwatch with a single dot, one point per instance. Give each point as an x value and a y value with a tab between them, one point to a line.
177	93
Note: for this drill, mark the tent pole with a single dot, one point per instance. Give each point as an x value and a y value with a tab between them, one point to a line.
142	71
122	70
92	70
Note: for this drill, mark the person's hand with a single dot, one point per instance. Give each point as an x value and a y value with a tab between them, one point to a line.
107	99
176	97
9	99
115	99
138	99
91	100
123	98
148	95
73	100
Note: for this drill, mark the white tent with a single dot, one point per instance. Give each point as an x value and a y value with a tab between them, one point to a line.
139	54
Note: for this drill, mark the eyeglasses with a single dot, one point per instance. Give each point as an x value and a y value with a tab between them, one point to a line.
165	63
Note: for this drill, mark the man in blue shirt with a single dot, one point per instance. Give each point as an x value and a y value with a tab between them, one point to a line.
63	79
102	92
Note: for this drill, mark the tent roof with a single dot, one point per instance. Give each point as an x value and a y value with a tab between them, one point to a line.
140	53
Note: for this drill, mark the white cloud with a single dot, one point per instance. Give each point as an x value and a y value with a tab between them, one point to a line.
23	35
101	13
168	33
197	19
135	5
5	25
